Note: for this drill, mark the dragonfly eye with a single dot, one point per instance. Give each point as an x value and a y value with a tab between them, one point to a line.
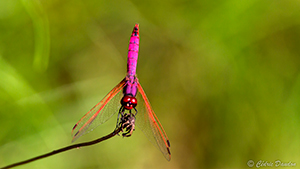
129	102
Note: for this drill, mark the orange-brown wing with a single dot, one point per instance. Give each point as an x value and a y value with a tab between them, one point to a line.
100	113
147	121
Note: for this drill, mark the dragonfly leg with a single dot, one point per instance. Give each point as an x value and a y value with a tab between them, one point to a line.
121	111
127	123
136	112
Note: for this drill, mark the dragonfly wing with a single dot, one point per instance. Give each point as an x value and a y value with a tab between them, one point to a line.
100	113
147	121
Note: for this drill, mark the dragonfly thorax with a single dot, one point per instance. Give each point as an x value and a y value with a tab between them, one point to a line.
129	102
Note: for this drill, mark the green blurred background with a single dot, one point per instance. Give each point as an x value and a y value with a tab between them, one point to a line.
222	76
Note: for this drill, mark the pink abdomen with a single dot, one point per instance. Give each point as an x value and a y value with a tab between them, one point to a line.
133	51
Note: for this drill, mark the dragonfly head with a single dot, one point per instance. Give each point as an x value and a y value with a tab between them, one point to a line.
129	102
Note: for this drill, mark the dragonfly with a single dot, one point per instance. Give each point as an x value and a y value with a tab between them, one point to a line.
130	101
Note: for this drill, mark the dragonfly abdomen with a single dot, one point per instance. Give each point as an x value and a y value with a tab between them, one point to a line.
133	51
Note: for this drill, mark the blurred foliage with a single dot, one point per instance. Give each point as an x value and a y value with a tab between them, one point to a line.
222	77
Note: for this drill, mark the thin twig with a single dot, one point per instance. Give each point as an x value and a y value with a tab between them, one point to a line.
65	149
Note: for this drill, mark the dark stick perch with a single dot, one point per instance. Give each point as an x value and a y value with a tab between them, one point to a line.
115	132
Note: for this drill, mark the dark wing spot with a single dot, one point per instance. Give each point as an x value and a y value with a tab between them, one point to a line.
169	151
168	143
76	133
75	126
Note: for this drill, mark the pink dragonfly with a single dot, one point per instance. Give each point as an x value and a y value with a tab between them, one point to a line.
127	92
